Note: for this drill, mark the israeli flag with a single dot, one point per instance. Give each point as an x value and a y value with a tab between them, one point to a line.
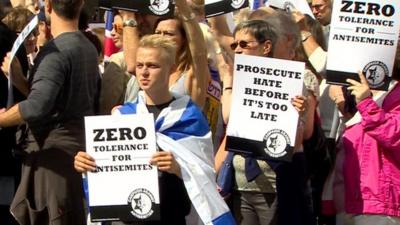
182	129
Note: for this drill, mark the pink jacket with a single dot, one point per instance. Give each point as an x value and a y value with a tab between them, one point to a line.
372	158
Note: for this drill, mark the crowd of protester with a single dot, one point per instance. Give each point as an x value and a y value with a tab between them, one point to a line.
345	166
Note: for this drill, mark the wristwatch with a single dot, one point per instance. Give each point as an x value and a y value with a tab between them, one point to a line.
305	35
129	23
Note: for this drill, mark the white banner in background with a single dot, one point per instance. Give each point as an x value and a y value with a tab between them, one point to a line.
363	37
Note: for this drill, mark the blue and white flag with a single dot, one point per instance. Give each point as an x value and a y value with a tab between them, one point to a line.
182	129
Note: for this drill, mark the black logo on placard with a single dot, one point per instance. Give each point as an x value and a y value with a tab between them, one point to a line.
275	142
159	7
376	72
237	3
288	6
142	203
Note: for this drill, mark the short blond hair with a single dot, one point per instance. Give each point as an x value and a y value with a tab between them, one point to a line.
157	41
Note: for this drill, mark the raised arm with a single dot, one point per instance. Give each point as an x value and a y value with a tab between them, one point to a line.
316	55
131	36
199	74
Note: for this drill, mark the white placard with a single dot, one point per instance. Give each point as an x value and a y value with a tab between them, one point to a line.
292	5
219	7
152	7
261	110
363	37
122	146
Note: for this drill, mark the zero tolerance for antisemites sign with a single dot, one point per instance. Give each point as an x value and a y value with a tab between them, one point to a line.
262	120
363	37
124	186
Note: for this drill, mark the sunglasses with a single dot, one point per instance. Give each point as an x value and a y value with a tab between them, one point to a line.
118	27
242	44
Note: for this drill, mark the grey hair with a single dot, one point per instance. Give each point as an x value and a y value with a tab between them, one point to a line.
260	29
284	26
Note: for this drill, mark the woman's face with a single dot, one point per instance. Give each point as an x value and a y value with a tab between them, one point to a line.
245	43
116	32
171	28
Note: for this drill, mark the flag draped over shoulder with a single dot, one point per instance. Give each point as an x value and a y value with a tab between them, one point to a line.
182	129
109	47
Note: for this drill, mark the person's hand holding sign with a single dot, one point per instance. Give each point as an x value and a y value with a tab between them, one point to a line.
300	104
165	161
360	90
84	162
